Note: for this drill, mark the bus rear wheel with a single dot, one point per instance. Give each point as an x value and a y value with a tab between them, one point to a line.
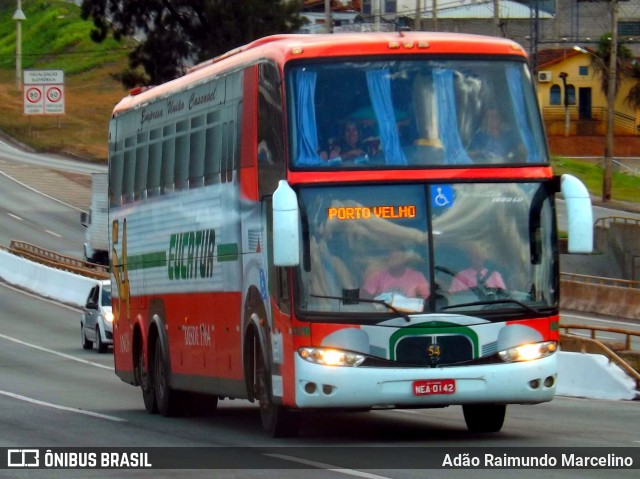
143	378
484	417
277	421
166	398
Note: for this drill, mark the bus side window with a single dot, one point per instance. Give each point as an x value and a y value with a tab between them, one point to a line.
168	158
213	149
197	152
142	161
154	163
181	163
128	173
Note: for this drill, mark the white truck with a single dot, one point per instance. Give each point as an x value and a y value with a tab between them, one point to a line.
96	246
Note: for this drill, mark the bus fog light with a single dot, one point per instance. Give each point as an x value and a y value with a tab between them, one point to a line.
331	357
528	352
549	381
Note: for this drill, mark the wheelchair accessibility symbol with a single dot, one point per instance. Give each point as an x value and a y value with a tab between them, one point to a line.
441	196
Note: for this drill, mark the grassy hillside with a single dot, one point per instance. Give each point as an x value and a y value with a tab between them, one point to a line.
54	37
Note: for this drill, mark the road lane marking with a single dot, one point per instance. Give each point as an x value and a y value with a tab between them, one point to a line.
327	467
53	233
16	217
51	351
62	408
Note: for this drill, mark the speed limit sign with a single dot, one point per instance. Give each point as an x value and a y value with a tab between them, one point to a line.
43	92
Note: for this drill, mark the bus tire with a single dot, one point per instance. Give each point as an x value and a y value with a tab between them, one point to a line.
277	421
484	417
166	399
143	378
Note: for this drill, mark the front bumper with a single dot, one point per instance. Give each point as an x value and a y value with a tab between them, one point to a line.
526	382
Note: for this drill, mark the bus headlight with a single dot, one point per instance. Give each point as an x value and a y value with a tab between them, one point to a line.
528	352
331	357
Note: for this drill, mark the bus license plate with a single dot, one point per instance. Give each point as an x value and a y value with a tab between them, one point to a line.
434	386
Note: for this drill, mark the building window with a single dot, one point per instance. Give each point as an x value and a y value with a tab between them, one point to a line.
555	98
390	6
583	71
571	95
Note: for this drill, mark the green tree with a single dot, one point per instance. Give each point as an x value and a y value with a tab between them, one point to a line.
633	97
600	62
171	35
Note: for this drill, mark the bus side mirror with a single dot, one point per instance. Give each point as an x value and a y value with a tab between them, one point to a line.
579	215
286	226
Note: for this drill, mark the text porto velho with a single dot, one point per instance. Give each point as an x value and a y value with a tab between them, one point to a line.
536	461
366	212
191	254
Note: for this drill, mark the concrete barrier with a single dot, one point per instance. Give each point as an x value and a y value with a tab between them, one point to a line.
592	376
603	299
51	283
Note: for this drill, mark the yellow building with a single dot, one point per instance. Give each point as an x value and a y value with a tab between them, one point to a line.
566	75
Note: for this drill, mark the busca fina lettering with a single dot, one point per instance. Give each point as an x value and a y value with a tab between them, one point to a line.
366	212
191	254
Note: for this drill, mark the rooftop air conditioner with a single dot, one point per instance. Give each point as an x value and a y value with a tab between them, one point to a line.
544	77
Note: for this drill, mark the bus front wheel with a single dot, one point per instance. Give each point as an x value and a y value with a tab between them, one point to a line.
277	421
484	417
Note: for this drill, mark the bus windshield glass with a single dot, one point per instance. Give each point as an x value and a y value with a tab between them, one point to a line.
449	248
413	113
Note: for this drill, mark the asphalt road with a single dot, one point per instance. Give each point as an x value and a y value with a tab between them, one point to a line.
55	394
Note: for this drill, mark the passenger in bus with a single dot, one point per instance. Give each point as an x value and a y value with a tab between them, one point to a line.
477	275
348	148
329	274
396	277
495	142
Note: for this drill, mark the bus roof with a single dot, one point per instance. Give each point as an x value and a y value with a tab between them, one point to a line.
282	48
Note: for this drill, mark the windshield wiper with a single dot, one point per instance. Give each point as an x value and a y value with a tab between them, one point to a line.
493	301
347	300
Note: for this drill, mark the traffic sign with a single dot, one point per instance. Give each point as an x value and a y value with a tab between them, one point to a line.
43	92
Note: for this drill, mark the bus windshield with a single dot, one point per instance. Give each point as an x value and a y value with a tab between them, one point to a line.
414	113
451	248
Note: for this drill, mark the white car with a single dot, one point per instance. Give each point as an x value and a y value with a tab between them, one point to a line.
96	323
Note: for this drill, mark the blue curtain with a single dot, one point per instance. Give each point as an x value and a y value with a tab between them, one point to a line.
454	152
514	79
380	93
307	138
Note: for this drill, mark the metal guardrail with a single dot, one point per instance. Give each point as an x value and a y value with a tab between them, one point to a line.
57	260
606	221
594	330
600	280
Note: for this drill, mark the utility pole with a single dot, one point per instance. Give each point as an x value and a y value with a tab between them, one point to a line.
19	17
563	76
611	96
418	16
327	16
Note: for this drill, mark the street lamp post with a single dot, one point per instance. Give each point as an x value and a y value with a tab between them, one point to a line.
563	76
611	96
19	17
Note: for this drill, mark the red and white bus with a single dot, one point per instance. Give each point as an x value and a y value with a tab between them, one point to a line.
245	235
